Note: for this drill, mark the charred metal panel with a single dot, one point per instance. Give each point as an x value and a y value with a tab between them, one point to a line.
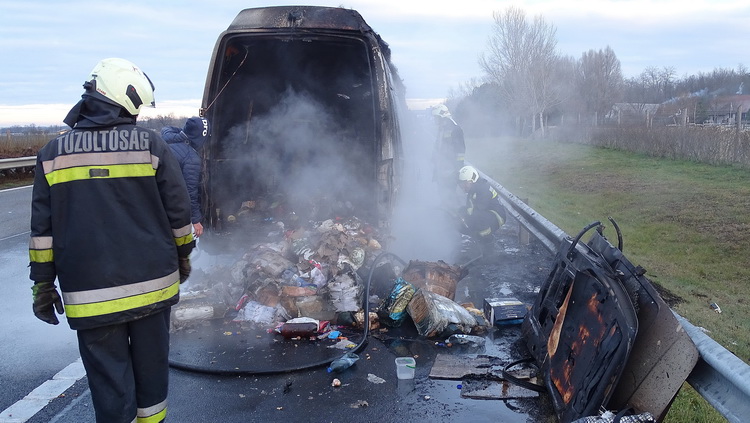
663	354
299	17
580	331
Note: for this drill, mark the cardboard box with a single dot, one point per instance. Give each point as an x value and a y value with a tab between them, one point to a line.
504	311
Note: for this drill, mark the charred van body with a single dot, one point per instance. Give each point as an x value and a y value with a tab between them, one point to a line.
304	106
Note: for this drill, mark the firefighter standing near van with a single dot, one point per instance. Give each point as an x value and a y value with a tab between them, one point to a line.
449	151
483	214
185	144
110	221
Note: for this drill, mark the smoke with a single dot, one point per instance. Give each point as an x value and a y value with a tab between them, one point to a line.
304	131
300	154
422	227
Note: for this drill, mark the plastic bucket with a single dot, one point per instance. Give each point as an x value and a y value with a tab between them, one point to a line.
405	367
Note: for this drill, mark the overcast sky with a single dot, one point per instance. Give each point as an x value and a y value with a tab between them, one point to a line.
47	48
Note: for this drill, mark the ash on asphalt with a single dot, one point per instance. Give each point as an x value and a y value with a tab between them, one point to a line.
370	390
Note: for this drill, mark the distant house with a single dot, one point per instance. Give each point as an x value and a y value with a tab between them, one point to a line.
723	110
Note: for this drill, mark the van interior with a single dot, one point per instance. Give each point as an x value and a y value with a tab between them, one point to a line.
294	122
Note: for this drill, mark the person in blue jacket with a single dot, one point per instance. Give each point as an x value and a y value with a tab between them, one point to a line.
185	144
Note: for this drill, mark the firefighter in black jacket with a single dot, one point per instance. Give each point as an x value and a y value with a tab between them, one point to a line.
448	154
483	214
111	222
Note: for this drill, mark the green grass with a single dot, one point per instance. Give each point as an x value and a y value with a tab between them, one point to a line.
687	224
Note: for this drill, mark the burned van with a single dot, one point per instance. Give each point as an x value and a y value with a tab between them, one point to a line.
303	103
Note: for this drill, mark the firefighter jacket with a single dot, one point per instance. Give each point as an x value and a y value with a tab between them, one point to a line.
450	148
483	208
110	217
190	164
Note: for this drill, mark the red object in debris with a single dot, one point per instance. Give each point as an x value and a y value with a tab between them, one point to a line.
241	303
302	329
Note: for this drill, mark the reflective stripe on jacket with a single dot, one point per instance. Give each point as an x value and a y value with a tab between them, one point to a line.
483	197
110	216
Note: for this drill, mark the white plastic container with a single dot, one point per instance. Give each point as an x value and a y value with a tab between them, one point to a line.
405	367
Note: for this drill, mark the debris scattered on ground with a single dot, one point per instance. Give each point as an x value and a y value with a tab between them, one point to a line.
393	308
342	363
456	367
489	389
375	379
463	339
343	344
504	311
360	404
434	314
437	277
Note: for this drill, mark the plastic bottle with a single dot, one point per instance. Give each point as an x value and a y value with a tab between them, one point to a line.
342	363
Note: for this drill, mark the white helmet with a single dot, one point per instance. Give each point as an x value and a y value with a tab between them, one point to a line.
441	111
121	82
468	173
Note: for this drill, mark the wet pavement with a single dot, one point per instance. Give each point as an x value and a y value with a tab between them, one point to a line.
228	372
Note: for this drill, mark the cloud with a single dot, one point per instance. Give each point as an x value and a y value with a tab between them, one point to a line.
49	47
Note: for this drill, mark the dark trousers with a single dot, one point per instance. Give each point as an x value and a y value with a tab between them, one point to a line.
128	369
481	224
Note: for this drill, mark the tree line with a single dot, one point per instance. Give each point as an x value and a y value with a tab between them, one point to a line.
156	123
530	85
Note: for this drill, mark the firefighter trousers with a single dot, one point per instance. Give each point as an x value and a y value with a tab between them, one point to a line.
127	366
482	223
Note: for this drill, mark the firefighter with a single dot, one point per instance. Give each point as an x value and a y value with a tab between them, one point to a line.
111	222
448	154
483	214
185	143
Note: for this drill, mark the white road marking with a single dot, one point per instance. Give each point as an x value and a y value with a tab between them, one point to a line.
32	403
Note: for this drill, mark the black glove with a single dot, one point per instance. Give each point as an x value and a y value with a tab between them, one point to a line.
184	268
46	301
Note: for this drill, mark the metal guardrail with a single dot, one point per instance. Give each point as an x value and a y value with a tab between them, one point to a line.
17	162
720	377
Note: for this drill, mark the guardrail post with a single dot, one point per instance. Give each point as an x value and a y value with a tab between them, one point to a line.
523	234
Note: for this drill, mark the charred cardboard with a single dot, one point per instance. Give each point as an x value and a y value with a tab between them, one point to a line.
438	277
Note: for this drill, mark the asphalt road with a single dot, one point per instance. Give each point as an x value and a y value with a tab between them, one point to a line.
33	352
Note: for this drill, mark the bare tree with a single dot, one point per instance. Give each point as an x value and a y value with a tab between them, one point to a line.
463	90
571	101
521	61
600	81
666	80
159	121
